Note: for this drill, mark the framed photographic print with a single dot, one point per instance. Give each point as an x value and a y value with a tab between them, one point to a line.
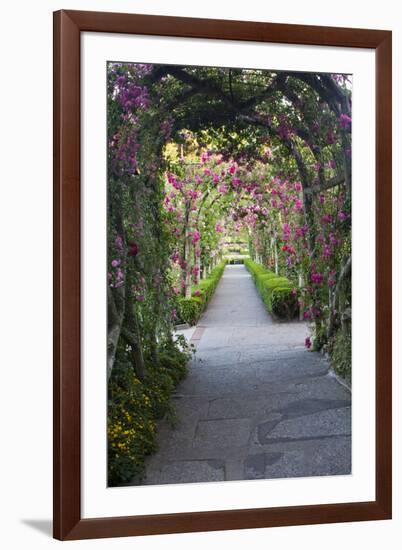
208	371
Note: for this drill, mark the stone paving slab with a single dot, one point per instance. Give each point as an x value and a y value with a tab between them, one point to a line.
321	424
185	471
222	433
327	457
255	404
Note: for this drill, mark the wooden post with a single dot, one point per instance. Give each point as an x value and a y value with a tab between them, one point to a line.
301	287
187	258
276	258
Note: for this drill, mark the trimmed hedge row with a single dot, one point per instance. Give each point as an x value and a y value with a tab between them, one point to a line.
190	309
277	293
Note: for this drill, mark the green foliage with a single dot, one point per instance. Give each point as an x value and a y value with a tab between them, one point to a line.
134	407
284	302
190	309
341	353
277	293
208	286
256	269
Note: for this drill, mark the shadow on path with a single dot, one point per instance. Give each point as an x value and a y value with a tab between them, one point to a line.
255	404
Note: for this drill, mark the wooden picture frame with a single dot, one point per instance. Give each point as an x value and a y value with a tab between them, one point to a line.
68	25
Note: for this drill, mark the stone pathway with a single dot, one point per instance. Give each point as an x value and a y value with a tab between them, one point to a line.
255	404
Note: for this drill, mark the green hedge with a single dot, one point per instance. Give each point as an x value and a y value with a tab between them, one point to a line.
190	309
276	292
340	350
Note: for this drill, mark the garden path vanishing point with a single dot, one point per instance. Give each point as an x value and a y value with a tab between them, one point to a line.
255	404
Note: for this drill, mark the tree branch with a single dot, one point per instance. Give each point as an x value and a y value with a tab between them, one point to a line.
337	180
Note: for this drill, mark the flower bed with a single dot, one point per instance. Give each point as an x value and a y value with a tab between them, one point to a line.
135	405
278	294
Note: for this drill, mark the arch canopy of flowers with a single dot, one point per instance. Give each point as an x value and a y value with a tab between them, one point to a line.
199	157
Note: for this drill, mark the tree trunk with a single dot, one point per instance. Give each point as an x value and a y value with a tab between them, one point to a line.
132	335
115	321
345	271
301	304
187	259
276	257
198	264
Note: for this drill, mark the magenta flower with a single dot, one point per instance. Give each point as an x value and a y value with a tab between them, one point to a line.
333	240
175	257
115	263
327	218
345	121
286	231
298	232
298	205
196	237
118	242
307	343
326	252
133	249
140	297
317	278
177	184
